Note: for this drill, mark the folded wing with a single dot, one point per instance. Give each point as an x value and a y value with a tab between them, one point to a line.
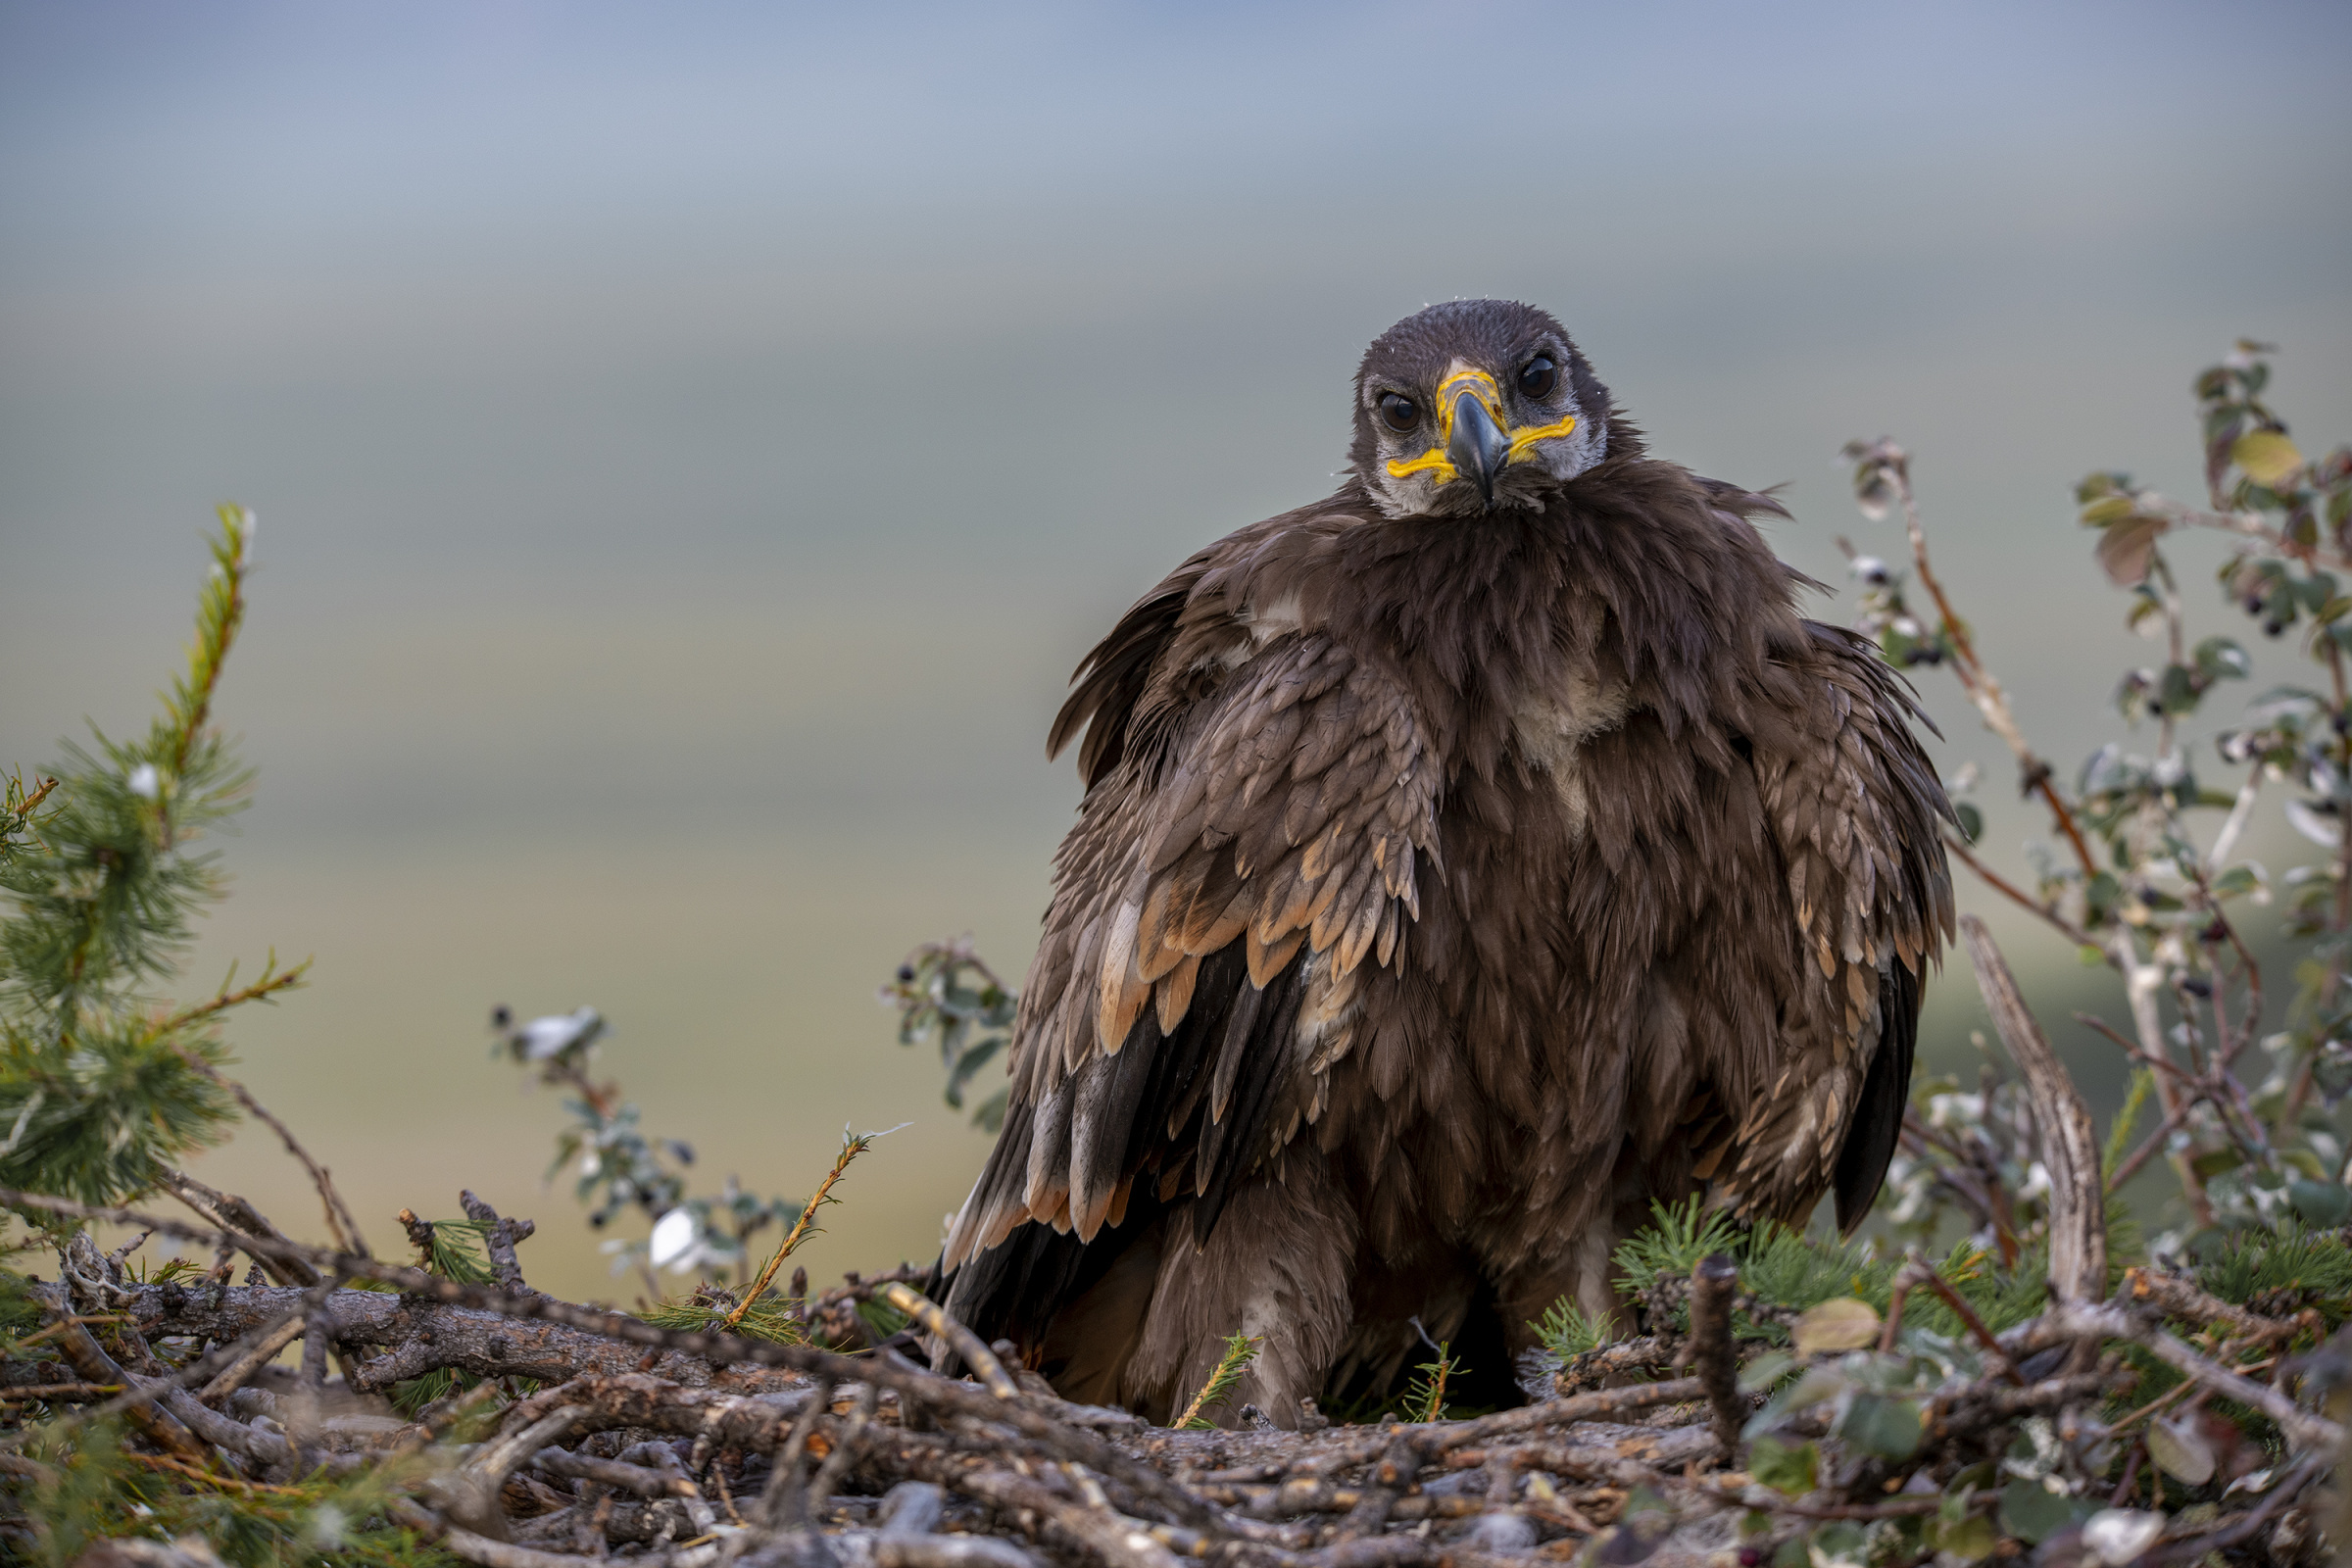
1854	804
1251	840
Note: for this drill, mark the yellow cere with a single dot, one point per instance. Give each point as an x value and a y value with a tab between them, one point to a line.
1479	386
1433	460
1524	439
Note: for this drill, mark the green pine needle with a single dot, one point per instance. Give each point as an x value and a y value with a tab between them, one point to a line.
1425	1400
1568	1331
1240	1351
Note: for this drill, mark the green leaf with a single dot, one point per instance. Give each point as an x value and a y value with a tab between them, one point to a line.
2127	549
2221	659
1765	1370
1967	1539
2319	1203
1842	1323
1972	821
1813	1385
2214	1162
1877	1423
2033	1512
2267	456
1791	1471
2237	879
1840	1543
2180	1451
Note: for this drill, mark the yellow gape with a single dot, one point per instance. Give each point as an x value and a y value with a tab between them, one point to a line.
1479	386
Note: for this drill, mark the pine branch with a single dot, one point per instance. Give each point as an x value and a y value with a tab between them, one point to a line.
805	1226
1240	1351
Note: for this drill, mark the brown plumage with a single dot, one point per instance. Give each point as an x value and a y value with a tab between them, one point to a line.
1467	861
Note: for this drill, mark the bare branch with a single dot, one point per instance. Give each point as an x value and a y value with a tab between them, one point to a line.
2070	1148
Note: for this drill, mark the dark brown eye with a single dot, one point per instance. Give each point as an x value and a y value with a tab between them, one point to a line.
1398	412
1537	376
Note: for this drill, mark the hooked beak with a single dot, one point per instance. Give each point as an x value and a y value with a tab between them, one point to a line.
1478	447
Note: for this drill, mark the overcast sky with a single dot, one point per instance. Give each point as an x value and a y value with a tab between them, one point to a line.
694	443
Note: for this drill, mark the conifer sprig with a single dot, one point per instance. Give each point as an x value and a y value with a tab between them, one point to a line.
1240	1351
1425	1400
805	1226
20	811
100	1090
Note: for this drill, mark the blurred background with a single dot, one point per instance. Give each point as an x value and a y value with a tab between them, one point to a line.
693	444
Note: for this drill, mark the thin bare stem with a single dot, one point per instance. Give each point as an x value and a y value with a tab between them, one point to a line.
1984	689
2024	900
269	984
2148	1149
339	1221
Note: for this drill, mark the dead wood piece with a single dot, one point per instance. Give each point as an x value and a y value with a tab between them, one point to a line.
1603	1455
428	1336
1969	1411
1099	1532
1388	1551
1296	1498
976	1355
963	1400
83	1351
265	1448
850	1442
470	1548
636	1478
948	1551
526	1497
2310	1468
264	1350
651	1522
1648	1353
1394	1474
470	1495
2179	1295
499	1237
913	1509
1561	1412
1713	1285
234	1214
60	1392
2076	1320
785	1503
420	1232
2069	1147
130	1551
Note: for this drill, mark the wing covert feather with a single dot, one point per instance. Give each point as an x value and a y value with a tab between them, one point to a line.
1853	805
1210	912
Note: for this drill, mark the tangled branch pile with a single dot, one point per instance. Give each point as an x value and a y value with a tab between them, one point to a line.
2045	1386
1868	1437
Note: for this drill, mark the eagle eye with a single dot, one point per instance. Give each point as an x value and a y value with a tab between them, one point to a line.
1398	412
1537	376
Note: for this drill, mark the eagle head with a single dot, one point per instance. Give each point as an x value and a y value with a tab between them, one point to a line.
1474	406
